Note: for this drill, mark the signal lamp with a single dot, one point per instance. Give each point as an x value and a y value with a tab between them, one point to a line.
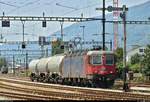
23	46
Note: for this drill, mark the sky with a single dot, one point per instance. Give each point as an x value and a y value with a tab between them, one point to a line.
54	8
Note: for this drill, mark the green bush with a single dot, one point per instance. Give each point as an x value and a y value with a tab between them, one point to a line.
135	68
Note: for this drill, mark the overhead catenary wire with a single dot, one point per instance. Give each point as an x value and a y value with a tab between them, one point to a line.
88	6
66	6
8	4
27	4
50	3
77	9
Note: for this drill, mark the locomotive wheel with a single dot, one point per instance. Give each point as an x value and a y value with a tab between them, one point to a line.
46	78
69	81
63	82
74	82
81	83
32	77
37	79
42	77
55	81
50	80
84	82
95	85
110	83
77	82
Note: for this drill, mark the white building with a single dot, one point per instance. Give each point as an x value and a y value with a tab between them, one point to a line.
135	49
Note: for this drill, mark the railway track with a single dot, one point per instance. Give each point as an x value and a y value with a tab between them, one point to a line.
70	93
18	76
24	96
117	83
65	96
139	84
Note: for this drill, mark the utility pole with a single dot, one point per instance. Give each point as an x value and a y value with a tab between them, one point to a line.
103	24
23	43
42	50
41	43
26	63
123	16
20	62
83	32
47	52
13	65
61	26
110	45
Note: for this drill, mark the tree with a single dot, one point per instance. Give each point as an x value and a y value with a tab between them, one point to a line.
119	61
57	47
135	58
134	65
3	62
119	54
145	62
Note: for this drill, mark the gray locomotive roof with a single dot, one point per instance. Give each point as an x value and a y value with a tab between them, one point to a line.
99	52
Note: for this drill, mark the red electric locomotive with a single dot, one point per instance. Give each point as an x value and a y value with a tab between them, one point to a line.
100	65
94	68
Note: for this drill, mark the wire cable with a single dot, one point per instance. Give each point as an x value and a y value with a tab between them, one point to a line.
80	9
27	4
8	4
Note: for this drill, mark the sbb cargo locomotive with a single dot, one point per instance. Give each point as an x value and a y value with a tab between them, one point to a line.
90	69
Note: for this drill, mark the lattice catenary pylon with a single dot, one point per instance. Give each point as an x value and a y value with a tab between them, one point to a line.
115	25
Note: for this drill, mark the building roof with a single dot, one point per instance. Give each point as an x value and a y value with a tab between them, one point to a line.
133	47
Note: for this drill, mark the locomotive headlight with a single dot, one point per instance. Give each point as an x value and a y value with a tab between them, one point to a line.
95	72
103	68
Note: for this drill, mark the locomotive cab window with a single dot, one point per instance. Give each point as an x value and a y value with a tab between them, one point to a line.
94	60
109	60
